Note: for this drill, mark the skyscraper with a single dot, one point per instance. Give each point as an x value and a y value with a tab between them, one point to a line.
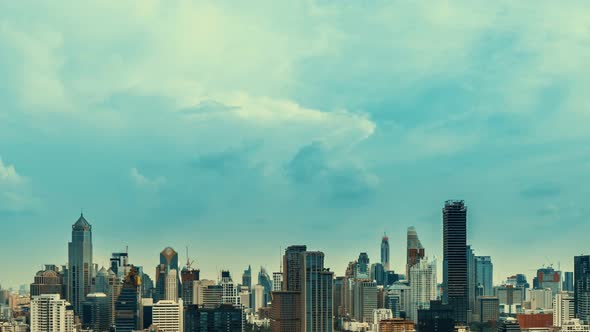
455	258
168	261
362	266
80	263
168	316
563	308
265	281
582	287
127	304
316	298
96	312
365	300
484	274
385	252
547	277
48	281
292	265
49	313
171	286
568	282
247	277
471	282
188	275
415	250
423	286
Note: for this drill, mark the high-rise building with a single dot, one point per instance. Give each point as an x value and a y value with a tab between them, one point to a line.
568	282
423	286
396	325
48	281
541	299
168	261
127	304
223	318
378	274
229	290
277	281
484	274
471	281
365	300
455	258
438	318
96	312
510	297
362	266
213	296
120	264
317	292
381	314
171	292
265	281
399	294
292	268
415	250
486	309
285	312
247	277
582	287
50	313
199	290
188	275
80	267
168	316
385	252
563	308
547	277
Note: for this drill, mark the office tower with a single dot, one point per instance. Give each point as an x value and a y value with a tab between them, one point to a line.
108	283
229	290
484	274
402	293
147	286
120	264
415	250
317	292
188	276
508	325
385	252
199	287
396	325
471	280
146	309
541	298
127	304
168	261
362	266
212	296
80	268
510	297
378	273
339	296
285	313
582	287
258	292
247	277
568	282
423	286
49	313
455	258
48	281
365	300
170	286
265	281
168	316
486	309
438	318
277	281
292	268
245	298
547	277
563	308
96	312
223	318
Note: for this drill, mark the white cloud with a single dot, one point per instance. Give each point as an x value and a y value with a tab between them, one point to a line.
8	174
143	181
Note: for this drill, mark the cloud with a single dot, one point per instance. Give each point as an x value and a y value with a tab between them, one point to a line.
337	181
143	181
541	191
15	195
8	174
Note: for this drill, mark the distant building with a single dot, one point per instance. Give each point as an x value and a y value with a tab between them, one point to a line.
438	318
224	318
168	316
96	312
265	281
455	283
80	267
398	298
547	277
385	260
199	287
484	274
510	297
188	276
48	281
563	308
277	281
487	309
127	304
378	274
285	314
247	277
415	250
365	300
423	286
508	325
362	266
171	290
534	321
574	325
396	325
582	287
568	282
541	298
50	313
381	314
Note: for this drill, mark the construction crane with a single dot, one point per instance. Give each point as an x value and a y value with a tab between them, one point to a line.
189	263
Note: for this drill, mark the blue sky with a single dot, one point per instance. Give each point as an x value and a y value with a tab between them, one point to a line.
237	129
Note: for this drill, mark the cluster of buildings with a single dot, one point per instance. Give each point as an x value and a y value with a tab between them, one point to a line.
304	295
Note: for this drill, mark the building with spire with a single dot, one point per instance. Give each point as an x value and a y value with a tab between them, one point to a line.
80	267
385	252
415	250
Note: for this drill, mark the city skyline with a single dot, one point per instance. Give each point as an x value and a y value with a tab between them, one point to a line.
194	124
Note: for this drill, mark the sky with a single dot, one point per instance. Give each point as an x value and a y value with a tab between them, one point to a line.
237	130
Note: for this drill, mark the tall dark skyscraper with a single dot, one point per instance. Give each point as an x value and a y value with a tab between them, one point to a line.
79	279
385	260
127	305
455	281
292	268
582	287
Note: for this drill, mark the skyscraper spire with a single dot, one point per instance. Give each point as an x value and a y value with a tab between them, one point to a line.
80	263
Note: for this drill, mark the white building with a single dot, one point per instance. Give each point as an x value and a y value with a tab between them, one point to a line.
574	325
230	293
423	285
563	308
277	281
49	313
172	285
541	298
199	287
13	327
168	316
258	291
245	297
